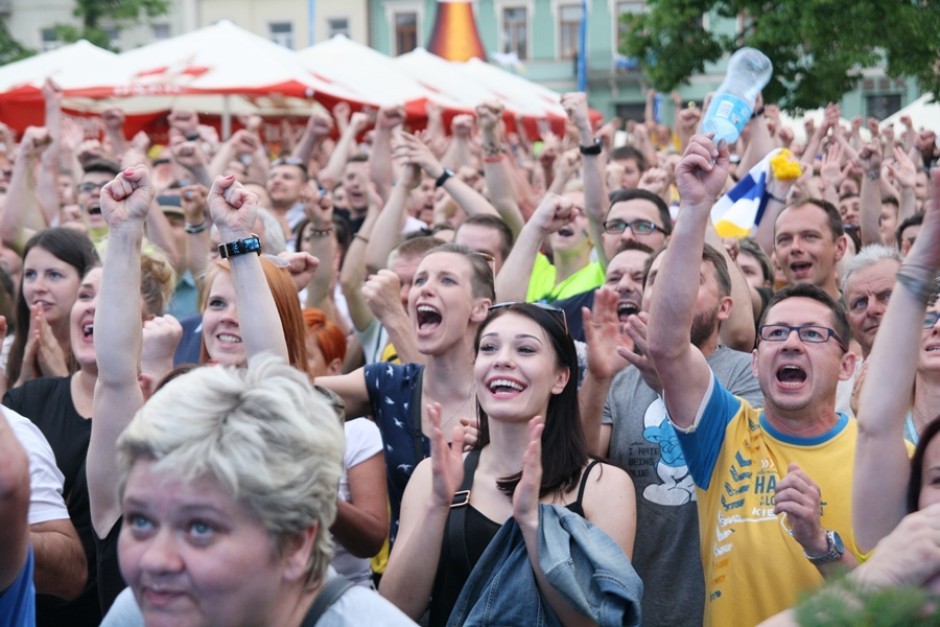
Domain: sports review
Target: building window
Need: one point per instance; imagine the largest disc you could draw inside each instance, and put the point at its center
(515, 35)
(625, 8)
(113, 33)
(882, 105)
(406, 32)
(49, 39)
(569, 30)
(161, 32)
(282, 33)
(338, 26)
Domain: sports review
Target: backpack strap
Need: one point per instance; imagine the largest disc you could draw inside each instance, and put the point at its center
(456, 519)
(330, 594)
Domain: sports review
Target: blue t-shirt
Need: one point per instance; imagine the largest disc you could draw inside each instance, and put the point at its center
(394, 393)
(18, 602)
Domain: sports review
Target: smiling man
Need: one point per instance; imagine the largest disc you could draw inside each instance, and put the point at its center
(773, 485)
(808, 242)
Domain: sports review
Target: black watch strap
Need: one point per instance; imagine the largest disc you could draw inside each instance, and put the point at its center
(446, 174)
(251, 244)
(592, 150)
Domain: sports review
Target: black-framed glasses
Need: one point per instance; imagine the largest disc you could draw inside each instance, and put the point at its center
(89, 188)
(930, 319)
(557, 312)
(810, 333)
(639, 227)
(294, 161)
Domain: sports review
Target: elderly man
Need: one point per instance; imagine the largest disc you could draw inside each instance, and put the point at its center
(766, 525)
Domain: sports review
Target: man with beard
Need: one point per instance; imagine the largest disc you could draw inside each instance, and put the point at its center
(635, 433)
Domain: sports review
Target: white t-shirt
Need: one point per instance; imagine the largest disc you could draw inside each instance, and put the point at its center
(45, 478)
(363, 442)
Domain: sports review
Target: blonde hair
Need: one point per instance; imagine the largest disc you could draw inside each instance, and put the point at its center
(262, 432)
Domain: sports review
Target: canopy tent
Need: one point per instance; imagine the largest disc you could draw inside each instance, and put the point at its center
(462, 86)
(923, 113)
(365, 76)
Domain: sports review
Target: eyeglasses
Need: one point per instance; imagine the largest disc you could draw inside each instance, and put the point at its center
(294, 161)
(639, 227)
(930, 319)
(556, 312)
(810, 333)
(89, 187)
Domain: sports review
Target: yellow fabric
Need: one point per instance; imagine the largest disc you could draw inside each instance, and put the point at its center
(542, 282)
(753, 566)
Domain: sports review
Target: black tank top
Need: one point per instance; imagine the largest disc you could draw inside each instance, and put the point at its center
(478, 531)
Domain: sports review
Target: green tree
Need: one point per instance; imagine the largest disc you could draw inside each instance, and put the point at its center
(118, 12)
(10, 49)
(818, 47)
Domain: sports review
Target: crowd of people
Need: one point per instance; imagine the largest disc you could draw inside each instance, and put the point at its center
(466, 375)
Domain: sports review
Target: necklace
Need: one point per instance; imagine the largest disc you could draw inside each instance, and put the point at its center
(465, 407)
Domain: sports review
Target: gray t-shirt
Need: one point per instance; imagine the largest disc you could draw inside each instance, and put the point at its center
(666, 552)
(357, 606)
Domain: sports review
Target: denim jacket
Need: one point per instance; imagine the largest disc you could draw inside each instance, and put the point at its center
(579, 560)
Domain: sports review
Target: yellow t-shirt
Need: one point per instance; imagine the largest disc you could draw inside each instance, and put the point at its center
(542, 282)
(753, 566)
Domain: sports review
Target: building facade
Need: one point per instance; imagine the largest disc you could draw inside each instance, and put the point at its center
(543, 36)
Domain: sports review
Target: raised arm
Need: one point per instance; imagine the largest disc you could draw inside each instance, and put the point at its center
(21, 196)
(125, 202)
(906, 175)
(499, 183)
(391, 218)
(552, 214)
(328, 177)
(234, 210)
(685, 375)
(14, 505)
(882, 469)
(380, 158)
(870, 194)
(318, 128)
(592, 167)
(47, 177)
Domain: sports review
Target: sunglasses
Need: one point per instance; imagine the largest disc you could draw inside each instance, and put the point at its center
(556, 312)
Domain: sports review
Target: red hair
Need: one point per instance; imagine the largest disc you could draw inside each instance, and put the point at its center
(328, 335)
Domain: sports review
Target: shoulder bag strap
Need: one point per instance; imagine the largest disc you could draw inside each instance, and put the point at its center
(330, 594)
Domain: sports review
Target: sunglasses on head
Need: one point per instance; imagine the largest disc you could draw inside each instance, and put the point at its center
(556, 312)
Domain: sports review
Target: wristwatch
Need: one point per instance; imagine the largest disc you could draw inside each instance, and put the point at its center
(834, 554)
(251, 244)
(593, 149)
(446, 174)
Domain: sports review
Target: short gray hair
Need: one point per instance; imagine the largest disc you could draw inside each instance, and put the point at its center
(263, 433)
(868, 256)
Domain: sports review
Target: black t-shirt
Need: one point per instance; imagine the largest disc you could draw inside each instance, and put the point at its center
(48, 404)
(354, 223)
(110, 580)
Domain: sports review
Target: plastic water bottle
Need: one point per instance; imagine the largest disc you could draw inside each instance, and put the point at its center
(749, 71)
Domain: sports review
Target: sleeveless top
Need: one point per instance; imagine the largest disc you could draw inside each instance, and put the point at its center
(462, 548)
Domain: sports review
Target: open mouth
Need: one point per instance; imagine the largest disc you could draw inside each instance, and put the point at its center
(228, 338)
(502, 387)
(566, 231)
(801, 268)
(428, 317)
(88, 330)
(791, 375)
(94, 210)
(627, 308)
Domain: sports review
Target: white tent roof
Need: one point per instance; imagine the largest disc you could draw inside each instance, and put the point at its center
(923, 113)
(360, 72)
(81, 64)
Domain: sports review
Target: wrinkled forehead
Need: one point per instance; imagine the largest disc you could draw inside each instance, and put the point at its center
(627, 261)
